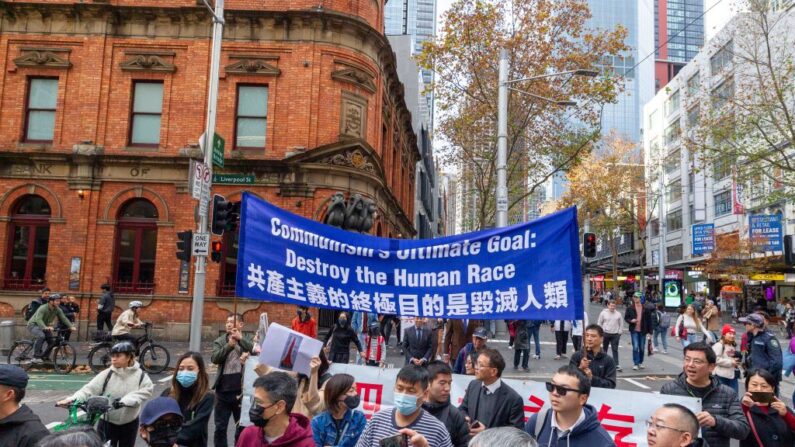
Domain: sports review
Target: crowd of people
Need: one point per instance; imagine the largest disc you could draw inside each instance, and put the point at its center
(323, 409)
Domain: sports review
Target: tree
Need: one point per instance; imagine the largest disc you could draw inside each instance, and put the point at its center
(541, 37)
(608, 189)
(749, 117)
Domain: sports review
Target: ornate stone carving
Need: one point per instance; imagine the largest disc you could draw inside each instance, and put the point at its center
(354, 75)
(250, 64)
(353, 115)
(355, 215)
(43, 57)
(351, 159)
(149, 61)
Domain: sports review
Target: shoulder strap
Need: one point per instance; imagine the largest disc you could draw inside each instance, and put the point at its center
(541, 417)
(750, 418)
(105, 384)
(141, 379)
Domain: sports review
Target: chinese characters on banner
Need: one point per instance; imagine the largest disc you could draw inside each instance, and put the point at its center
(530, 270)
(622, 413)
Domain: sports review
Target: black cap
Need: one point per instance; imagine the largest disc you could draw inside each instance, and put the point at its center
(13, 376)
(481, 332)
(105, 286)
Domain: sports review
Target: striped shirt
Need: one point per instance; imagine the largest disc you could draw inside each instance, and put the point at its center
(383, 425)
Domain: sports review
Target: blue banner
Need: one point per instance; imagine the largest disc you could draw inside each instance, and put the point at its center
(526, 271)
(765, 232)
(703, 238)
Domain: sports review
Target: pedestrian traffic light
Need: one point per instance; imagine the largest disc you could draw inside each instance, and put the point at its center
(789, 256)
(184, 245)
(222, 209)
(589, 245)
(215, 254)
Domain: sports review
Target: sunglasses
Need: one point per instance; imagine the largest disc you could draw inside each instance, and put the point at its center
(559, 389)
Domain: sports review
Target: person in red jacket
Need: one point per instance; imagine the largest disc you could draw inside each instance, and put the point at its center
(274, 424)
(304, 323)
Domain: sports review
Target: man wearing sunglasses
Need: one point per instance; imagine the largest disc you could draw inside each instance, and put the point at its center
(673, 425)
(161, 421)
(572, 422)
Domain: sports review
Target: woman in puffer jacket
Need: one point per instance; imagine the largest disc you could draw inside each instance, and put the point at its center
(127, 387)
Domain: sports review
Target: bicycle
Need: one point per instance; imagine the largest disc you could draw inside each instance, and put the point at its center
(59, 353)
(87, 414)
(154, 358)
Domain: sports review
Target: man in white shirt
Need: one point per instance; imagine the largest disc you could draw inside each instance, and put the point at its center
(611, 320)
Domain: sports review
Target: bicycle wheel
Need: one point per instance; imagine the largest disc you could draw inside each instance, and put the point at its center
(154, 359)
(21, 354)
(64, 358)
(99, 357)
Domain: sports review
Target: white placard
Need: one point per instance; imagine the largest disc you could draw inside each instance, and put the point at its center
(289, 350)
(200, 181)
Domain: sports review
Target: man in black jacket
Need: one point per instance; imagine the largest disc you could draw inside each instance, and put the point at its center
(638, 318)
(592, 360)
(438, 403)
(105, 309)
(488, 402)
(228, 352)
(722, 418)
(19, 427)
(419, 343)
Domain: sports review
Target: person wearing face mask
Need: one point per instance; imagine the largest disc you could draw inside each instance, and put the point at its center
(339, 339)
(304, 323)
(407, 417)
(274, 424)
(161, 422)
(127, 386)
(190, 387)
(341, 424)
(308, 403)
(375, 346)
(19, 426)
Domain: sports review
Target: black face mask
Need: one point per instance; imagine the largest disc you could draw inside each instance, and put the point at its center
(343, 322)
(352, 402)
(255, 414)
(164, 437)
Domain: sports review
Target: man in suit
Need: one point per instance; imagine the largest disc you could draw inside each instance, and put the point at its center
(457, 333)
(419, 343)
(488, 402)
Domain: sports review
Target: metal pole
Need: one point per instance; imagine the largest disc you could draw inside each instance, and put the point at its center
(662, 231)
(586, 278)
(197, 308)
(502, 142)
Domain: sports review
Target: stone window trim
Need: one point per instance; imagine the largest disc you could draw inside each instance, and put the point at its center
(354, 74)
(149, 61)
(252, 64)
(44, 57)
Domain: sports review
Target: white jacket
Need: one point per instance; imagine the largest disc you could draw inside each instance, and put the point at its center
(578, 328)
(725, 360)
(124, 384)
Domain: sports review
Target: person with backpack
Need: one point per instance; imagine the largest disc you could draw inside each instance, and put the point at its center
(374, 346)
(107, 302)
(40, 324)
(71, 309)
(127, 387)
(36, 303)
(661, 330)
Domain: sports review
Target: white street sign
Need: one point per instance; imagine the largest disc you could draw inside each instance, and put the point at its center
(201, 244)
(200, 183)
(203, 202)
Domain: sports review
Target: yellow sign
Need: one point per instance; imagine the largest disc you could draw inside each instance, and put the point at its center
(767, 277)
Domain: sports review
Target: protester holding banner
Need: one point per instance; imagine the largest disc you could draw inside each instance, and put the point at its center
(190, 387)
(772, 423)
(438, 403)
(611, 321)
(571, 420)
(478, 343)
(673, 425)
(457, 333)
(722, 418)
(341, 424)
(271, 413)
(488, 401)
(339, 339)
(593, 361)
(228, 353)
(407, 417)
(304, 322)
(419, 343)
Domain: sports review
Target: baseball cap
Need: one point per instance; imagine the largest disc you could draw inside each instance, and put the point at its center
(754, 319)
(726, 329)
(13, 376)
(481, 332)
(157, 408)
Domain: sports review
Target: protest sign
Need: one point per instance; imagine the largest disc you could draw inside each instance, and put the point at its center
(249, 376)
(289, 350)
(525, 271)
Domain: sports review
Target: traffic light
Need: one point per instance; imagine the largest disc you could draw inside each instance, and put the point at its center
(222, 209)
(184, 245)
(215, 254)
(789, 256)
(589, 245)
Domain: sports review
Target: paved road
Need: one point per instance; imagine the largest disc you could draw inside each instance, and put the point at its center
(45, 389)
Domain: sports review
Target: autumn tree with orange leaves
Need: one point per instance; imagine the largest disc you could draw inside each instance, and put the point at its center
(541, 37)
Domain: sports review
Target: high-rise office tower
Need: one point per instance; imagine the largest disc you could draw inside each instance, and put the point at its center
(678, 36)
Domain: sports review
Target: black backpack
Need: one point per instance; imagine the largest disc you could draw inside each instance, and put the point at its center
(32, 308)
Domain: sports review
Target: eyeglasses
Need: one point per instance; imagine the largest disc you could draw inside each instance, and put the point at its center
(697, 362)
(651, 424)
(559, 389)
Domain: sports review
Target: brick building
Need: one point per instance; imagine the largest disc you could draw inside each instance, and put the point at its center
(101, 107)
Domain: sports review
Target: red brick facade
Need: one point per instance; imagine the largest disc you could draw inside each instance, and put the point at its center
(336, 122)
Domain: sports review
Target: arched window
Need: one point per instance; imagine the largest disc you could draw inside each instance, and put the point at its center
(136, 246)
(29, 237)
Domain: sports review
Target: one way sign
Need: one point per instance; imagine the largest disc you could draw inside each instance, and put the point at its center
(201, 244)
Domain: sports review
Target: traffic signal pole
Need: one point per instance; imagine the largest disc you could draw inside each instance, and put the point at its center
(197, 307)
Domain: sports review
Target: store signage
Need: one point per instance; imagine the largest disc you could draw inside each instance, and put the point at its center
(765, 232)
(673, 293)
(703, 238)
(768, 277)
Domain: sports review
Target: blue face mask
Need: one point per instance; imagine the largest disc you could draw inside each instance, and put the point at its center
(187, 378)
(406, 404)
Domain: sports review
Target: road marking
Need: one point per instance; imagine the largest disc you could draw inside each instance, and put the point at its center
(636, 383)
(165, 379)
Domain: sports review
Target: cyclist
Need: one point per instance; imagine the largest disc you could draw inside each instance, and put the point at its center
(127, 321)
(40, 325)
(127, 387)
